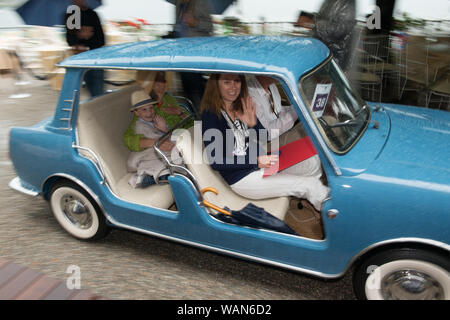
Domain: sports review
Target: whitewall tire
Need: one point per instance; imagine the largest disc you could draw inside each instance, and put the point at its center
(76, 212)
(403, 274)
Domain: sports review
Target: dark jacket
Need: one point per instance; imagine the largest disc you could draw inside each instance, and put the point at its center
(232, 168)
(89, 18)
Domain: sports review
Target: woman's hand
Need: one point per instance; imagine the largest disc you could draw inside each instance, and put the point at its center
(248, 116)
(267, 161)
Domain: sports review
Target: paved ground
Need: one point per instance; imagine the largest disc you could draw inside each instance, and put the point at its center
(127, 265)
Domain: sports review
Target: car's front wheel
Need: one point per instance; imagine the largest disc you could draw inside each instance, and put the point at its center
(403, 274)
(76, 212)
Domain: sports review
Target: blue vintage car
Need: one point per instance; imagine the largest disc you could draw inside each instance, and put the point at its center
(387, 167)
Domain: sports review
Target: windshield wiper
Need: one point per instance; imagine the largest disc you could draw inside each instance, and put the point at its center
(353, 122)
(346, 123)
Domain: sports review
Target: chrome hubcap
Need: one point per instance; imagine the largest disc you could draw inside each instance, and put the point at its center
(411, 285)
(76, 212)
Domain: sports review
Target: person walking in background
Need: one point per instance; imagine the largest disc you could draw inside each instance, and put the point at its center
(306, 21)
(334, 26)
(89, 36)
(193, 19)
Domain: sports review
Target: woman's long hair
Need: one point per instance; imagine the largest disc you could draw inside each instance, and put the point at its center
(212, 100)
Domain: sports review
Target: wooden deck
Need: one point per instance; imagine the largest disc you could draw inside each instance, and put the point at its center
(21, 283)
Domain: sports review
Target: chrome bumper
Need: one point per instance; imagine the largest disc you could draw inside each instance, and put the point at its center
(18, 185)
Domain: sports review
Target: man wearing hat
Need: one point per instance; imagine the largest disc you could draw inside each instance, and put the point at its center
(147, 164)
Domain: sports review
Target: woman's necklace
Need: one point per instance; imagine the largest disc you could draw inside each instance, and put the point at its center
(230, 113)
(240, 133)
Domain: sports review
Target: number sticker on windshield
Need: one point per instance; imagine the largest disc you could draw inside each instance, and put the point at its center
(320, 99)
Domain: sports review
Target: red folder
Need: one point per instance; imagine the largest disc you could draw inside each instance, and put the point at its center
(290, 154)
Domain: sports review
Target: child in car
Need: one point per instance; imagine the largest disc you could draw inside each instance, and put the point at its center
(147, 164)
(166, 106)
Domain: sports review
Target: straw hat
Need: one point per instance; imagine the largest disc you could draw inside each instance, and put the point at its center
(141, 99)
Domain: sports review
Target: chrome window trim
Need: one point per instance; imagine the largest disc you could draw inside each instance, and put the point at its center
(73, 102)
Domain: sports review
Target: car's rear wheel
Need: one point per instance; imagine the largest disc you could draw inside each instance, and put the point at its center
(76, 212)
(403, 274)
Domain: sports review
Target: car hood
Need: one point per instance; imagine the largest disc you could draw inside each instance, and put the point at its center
(418, 144)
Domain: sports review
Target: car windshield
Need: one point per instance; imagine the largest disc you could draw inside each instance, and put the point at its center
(340, 114)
